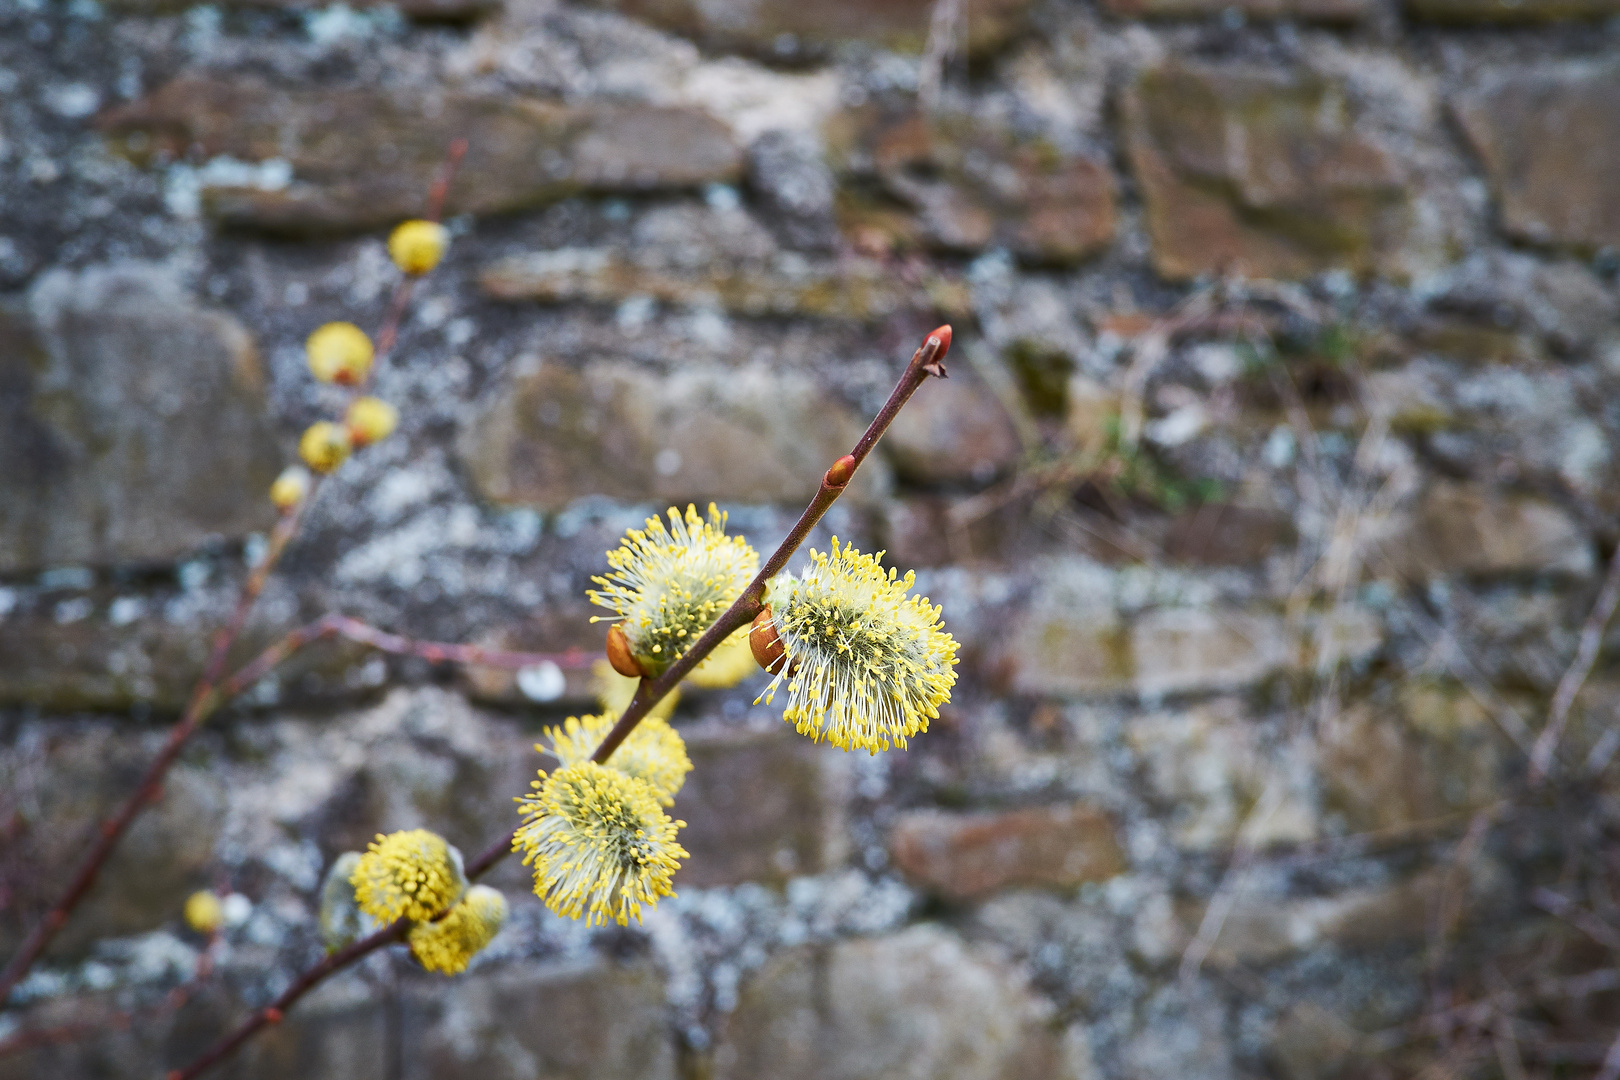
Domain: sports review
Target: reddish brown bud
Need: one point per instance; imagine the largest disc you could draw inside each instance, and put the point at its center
(619, 655)
(934, 350)
(841, 472)
(272, 1016)
(765, 642)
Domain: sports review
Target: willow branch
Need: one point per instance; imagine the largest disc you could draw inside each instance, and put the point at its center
(928, 360)
(206, 696)
(204, 699)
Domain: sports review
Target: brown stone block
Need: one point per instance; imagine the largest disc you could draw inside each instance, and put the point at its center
(587, 1021)
(917, 1004)
(970, 855)
(100, 662)
(1465, 529)
(766, 26)
(429, 10)
(780, 285)
(759, 805)
(1550, 140)
(134, 420)
(953, 431)
(362, 158)
(1319, 11)
(1437, 753)
(341, 1029)
(969, 186)
(1224, 534)
(1261, 173)
(66, 778)
(1509, 11)
(749, 435)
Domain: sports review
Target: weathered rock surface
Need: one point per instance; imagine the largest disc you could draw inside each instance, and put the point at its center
(969, 856)
(427, 10)
(968, 186)
(1509, 11)
(1433, 752)
(1260, 172)
(789, 174)
(782, 27)
(341, 1029)
(784, 284)
(1322, 11)
(759, 806)
(915, 1006)
(1463, 529)
(749, 435)
(132, 421)
(62, 783)
(1550, 140)
(362, 158)
(583, 1021)
(953, 432)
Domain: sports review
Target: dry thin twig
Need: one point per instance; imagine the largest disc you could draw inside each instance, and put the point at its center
(1586, 653)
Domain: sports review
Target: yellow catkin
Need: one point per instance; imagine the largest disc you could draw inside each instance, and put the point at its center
(324, 446)
(290, 487)
(449, 945)
(654, 751)
(669, 584)
(412, 873)
(600, 845)
(339, 352)
(370, 420)
(417, 246)
(204, 912)
(868, 665)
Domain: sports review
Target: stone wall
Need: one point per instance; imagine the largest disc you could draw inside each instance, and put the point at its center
(1269, 492)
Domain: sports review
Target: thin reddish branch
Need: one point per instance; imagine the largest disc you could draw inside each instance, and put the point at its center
(927, 361)
(276, 1010)
(204, 699)
(389, 332)
(206, 696)
(1586, 654)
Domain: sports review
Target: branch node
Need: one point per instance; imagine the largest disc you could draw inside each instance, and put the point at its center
(842, 471)
(619, 654)
(766, 642)
(932, 353)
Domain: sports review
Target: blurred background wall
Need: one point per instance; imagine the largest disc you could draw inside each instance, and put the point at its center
(1269, 493)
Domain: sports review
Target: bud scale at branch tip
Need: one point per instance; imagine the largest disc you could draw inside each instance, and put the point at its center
(937, 346)
(619, 655)
(765, 642)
